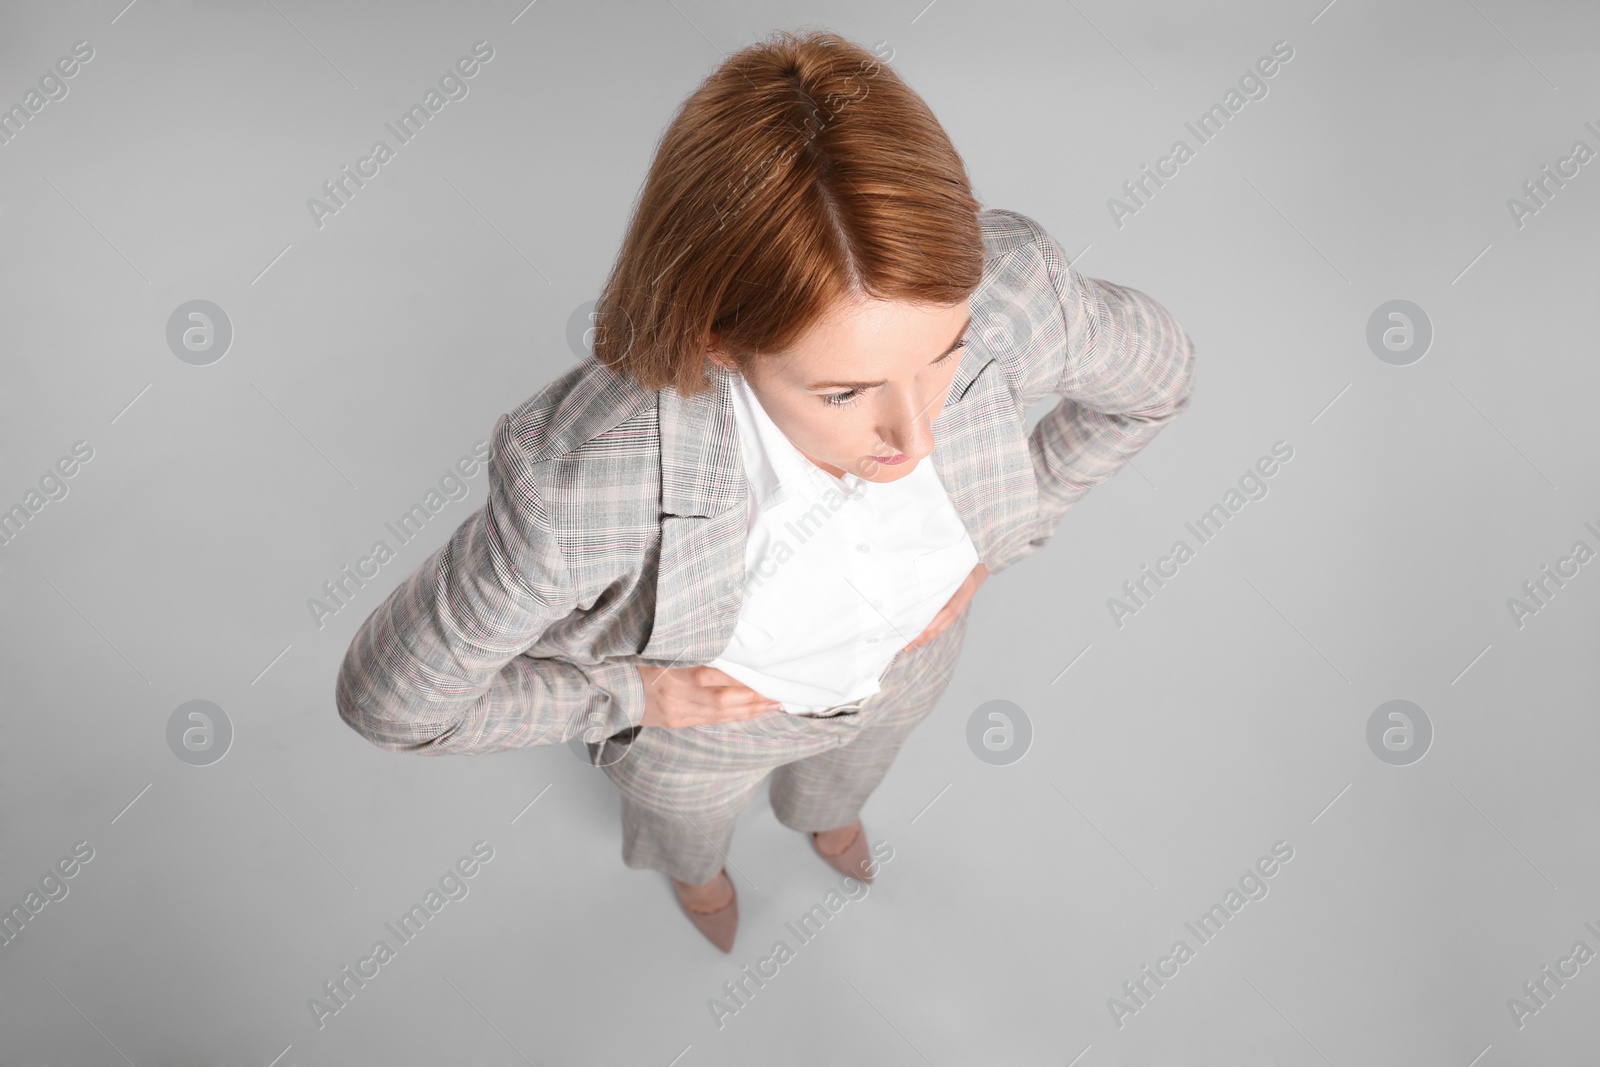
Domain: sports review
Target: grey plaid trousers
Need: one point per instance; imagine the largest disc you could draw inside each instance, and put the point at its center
(684, 788)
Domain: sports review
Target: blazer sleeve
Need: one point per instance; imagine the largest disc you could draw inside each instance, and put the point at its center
(438, 667)
(1122, 365)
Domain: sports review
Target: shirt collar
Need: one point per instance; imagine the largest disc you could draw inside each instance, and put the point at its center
(773, 466)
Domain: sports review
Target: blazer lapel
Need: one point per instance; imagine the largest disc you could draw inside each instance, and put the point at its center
(981, 454)
(700, 574)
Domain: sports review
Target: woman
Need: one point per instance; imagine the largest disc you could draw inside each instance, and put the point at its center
(741, 542)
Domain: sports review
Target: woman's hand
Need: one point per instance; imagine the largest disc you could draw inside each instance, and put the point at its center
(953, 609)
(675, 697)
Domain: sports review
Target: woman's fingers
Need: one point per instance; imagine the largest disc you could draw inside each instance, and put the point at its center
(736, 709)
(724, 698)
(934, 629)
(711, 677)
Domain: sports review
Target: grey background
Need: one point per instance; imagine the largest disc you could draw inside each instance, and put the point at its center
(369, 354)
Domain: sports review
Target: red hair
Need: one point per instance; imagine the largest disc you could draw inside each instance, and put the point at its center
(800, 174)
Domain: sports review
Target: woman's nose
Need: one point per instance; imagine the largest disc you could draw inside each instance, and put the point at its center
(911, 434)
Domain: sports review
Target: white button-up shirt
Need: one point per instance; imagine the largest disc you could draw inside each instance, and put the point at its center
(840, 574)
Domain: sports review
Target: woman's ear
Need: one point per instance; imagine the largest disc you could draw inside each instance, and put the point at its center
(717, 355)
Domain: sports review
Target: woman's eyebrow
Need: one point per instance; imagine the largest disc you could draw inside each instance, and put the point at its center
(868, 385)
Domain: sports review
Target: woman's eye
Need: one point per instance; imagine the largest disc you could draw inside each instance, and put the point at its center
(839, 400)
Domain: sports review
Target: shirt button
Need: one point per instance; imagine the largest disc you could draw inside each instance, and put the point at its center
(873, 640)
(862, 546)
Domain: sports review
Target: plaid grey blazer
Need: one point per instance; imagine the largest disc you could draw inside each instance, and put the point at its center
(614, 530)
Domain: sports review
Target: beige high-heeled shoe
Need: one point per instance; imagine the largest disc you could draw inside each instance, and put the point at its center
(720, 926)
(854, 860)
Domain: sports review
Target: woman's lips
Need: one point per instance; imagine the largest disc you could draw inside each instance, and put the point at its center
(898, 457)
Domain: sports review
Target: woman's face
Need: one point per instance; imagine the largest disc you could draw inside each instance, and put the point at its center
(865, 385)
